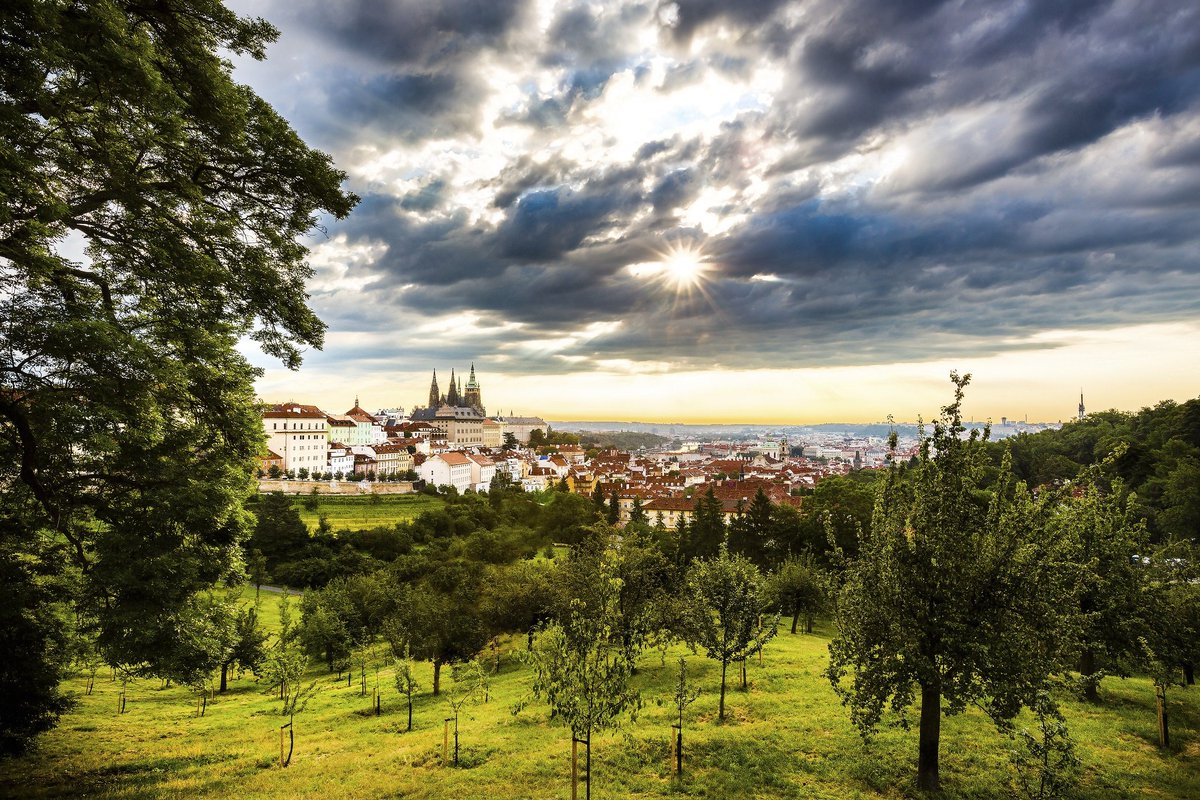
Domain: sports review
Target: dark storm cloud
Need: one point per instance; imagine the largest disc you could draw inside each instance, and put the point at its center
(1051, 179)
(408, 32)
(409, 107)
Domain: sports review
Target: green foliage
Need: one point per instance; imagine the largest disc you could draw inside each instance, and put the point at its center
(405, 679)
(798, 588)
(958, 591)
(627, 441)
(278, 532)
(33, 636)
(581, 666)
(518, 597)
(249, 646)
(127, 413)
(1160, 460)
(565, 518)
(613, 513)
(1044, 760)
(440, 615)
(726, 598)
(706, 531)
(1100, 526)
(197, 642)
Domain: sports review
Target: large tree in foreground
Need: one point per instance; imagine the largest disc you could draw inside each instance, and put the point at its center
(127, 431)
(958, 595)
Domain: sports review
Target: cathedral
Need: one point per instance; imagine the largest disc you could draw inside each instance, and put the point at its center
(457, 396)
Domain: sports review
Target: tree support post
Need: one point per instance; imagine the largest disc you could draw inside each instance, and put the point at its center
(677, 748)
(1164, 732)
(446, 742)
(574, 768)
(284, 761)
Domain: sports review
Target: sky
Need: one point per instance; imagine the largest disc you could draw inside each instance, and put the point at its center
(761, 211)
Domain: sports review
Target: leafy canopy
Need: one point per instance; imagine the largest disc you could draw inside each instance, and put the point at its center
(127, 422)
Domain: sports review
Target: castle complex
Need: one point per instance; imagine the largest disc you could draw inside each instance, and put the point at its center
(457, 396)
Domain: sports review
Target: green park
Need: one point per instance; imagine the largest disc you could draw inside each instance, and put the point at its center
(831, 189)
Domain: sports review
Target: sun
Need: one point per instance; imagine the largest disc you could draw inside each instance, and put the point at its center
(684, 268)
(681, 268)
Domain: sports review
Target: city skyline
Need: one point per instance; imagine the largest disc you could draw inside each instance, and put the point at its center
(769, 211)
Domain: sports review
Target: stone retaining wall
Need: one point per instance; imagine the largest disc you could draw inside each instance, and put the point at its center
(335, 487)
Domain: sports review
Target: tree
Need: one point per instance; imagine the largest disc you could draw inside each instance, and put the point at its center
(323, 631)
(637, 515)
(798, 587)
(707, 529)
(279, 533)
(440, 615)
(581, 668)
(685, 695)
(33, 636)
(960, 592)
(195, 644)
(256, 570)
(127, 420)
(467, 682)
(726, 599)
(510, 441)
(613, 513)
(1106, 538)
(757, 542)
(517, 598)
(406, 680)
(248, 647)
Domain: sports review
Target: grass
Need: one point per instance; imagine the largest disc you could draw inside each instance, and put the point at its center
(361, 512)
(786, 737)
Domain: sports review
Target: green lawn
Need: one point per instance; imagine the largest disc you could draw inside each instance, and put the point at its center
(357, 512)
(786, 737)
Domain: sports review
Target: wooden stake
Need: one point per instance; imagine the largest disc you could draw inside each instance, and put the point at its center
(446, 742)
(1164, 733)
(574, 768)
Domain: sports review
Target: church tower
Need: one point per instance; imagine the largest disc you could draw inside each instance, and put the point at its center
(435, 397)
(452, 394)
(472, 396)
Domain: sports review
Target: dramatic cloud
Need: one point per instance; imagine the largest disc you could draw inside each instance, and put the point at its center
(853, 181)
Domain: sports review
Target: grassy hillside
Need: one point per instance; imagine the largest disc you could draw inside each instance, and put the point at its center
(786, 737)
(360, 512)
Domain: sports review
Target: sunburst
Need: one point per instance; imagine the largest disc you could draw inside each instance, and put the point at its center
(680, 268)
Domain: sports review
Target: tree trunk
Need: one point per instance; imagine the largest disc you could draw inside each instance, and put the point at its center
(529, 640)
(1189, 674)
(721, 712)
(795, 620)
(410, 712)
(1087, 669)
(224, 672)
(437, 676)
(930, 735)
(808, 622)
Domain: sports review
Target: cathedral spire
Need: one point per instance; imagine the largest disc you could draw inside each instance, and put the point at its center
(452, 393)
(435, 396)
(472, 396)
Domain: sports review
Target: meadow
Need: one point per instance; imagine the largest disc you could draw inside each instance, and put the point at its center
(360, 512)
(787, 736)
